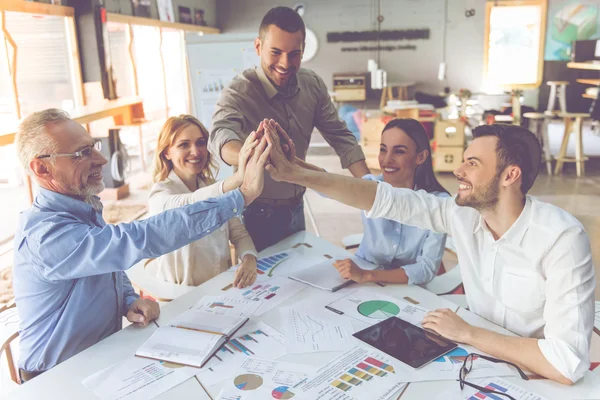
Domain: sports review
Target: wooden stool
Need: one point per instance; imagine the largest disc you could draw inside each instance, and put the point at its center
(538, 124)
(573, 124)
(387, 93)
(557, 89)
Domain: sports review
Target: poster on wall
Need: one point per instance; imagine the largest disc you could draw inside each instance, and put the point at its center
(185, 15)
(199, 17)
(165, 10)
(141, 8)
(570, 20)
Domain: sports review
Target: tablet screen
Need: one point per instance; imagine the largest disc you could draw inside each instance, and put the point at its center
(408, 343)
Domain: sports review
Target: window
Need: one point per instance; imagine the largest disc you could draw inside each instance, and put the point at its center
(514, 44)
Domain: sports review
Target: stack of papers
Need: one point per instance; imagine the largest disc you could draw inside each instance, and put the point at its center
(325, 276)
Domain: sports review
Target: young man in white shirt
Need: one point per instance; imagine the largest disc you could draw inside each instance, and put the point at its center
(526, 265)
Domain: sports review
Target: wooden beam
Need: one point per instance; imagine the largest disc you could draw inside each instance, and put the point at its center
(129, 19)
(36, 8)
(589, 65)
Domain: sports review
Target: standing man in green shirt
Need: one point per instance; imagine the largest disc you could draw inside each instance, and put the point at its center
(298, 100)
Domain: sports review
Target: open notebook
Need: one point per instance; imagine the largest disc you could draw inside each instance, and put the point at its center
(325, 276)
(192, 338)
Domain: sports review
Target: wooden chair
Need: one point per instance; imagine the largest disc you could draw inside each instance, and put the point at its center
(9, 332)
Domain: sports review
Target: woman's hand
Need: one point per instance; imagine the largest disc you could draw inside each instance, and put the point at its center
(246, 272)
(349, 270)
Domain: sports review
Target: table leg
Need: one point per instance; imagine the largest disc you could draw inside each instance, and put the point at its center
(579, 160)
(563, 147)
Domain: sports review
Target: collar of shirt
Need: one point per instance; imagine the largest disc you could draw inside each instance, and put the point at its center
(271, 90)
(515, 233)
(58, 202)
(180, 185)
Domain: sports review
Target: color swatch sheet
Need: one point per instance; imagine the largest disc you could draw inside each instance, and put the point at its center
(259, 379)
(270, 292)
(255, 339)
(306, 333)
(359, 373)
(137, 379)
(497, 384)
(370, 307)
(227, 306)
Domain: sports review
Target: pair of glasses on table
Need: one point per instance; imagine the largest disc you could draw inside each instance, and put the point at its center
(468, 365)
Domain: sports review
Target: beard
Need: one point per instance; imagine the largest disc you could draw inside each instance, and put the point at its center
(485, 199)
(86, 190)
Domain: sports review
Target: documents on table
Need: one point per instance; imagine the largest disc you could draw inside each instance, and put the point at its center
(137, 379)
(370, 308)
(270, 292)
(497, 384)
(323, 276)
(285, 262)
(227, 306)
(359, 373)
(217, 324)
(181, 346)
(259, 379)
(255, 339)
(305, 333)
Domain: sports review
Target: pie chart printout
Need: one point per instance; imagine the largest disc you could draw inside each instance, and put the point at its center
(248, 381)
(282, 393)
(378, 309)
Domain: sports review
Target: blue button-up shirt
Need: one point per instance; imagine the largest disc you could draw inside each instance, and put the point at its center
(70, 288)
(391, 244)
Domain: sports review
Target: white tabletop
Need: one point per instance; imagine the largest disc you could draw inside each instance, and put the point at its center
(65, 379)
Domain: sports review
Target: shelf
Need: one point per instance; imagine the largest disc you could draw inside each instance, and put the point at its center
(130, 19)
(590, 65)
(595, 82)
(588, 96)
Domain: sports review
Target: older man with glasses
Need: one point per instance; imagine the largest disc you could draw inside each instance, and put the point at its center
(69, 282)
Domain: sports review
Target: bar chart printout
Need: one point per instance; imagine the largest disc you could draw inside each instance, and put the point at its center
(270, 292)
(359, 373)
(497, 384)
(255, 339)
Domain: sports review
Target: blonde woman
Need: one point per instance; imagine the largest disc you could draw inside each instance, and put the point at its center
(183, 174)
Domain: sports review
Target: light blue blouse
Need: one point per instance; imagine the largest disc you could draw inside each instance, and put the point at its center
(391, 245)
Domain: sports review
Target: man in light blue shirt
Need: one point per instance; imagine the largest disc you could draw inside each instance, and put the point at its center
(70, 288)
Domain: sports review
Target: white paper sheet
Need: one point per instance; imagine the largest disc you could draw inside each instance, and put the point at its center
(227, 306)
(255, 339)
(270, 292)
(305, 333)
(260, 379)
(370, 307)
(497, 384)
(137, 379)
(359, 373)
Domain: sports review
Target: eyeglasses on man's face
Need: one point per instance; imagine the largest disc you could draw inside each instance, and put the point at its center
(468, 365)
(86, 152)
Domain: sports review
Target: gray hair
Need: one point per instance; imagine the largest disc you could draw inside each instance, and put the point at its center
(33, 140)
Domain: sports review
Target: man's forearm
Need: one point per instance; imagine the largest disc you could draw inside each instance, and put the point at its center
(359, 169)
(306, 165)
(522, 351)
(230, 152)
(354, 192)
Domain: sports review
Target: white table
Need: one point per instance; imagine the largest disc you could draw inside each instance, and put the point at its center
(64, 380)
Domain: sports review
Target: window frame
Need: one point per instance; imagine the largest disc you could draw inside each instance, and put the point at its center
(543, 4)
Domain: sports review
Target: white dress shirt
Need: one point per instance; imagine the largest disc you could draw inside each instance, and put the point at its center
(203, 259)
(537, 280)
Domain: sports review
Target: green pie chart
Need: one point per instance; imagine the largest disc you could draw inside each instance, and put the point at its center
(378, 309)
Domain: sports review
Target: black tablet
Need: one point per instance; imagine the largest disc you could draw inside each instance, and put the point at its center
(406, 342)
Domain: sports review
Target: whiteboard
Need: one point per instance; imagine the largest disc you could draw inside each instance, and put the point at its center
(214, 60)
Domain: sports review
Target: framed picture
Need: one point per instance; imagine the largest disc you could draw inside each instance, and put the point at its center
(185, 15)
(199, 17)
(165, 10)
(141, 8)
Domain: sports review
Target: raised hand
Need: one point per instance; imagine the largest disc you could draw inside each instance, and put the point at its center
(246, 152)
(254, 176)
(280, 167)
(287, 144)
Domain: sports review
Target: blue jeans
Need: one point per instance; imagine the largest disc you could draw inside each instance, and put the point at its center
(268, 225)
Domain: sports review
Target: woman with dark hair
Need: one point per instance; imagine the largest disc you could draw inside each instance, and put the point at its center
(404, 254)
